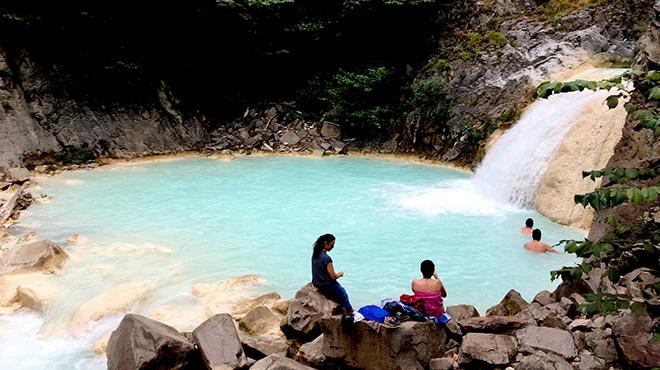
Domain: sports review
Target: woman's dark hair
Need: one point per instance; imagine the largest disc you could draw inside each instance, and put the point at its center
(427, 268)
(529, 222)
(320, 243)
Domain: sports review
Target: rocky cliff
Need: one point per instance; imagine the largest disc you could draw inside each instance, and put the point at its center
(36, 121)
(496, 52)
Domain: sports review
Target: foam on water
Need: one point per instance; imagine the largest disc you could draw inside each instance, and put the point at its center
(183, 226)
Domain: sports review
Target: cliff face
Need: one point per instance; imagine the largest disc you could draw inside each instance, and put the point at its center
(36, 122)
(638, 148)
(490, 56)
(497, 52)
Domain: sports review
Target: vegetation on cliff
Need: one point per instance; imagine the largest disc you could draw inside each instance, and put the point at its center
(632, 239)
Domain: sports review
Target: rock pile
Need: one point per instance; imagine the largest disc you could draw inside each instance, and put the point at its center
(272, 130)
(548, 333)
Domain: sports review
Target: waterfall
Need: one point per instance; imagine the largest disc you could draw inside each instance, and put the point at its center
(513, 169)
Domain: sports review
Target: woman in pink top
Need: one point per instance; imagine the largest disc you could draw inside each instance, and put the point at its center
(430, 289)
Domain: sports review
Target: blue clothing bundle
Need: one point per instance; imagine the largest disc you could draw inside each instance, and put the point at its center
(373, 313)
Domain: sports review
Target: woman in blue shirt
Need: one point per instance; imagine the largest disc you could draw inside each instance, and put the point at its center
(324, 277)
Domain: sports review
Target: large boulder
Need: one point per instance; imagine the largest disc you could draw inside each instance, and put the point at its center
(487, 349)
(633, 336)
(570, 287)
(554, 340)
(511, 304)
(491, 324)
(410, 345)
(462, 311)
(330, 130)
(260, 321)
(305, 312)
(219, 344)
(534, 314)
(41, 255)
(140, 343)
(275, 362)
(311, 353)
(543, 361)
(601, 344)
(260, 347)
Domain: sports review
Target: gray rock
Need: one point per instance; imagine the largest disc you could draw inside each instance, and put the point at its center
(259, 321)
(442, 363)
(305, 312)
(536, 315)
(579, 340)
(543, 298)
(389, 146)
(543, 361)
(491, 324)
(219, 344)
(491, 349)
(254, 141)
(410, 345)
(601, 344)
(590, 362)
(330, 130)
(275, 362)
(511, 304)
(18, 174)
(41, 255)
(338, 146)
(260, 347)
(142, 343)
(311, 353)
(633, 336)
(547, 339)
(462, 311)
(579, 324)
(578, 299)
(289, 138)
(243, 134)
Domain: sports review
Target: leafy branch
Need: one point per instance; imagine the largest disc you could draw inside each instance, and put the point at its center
(619, 175)
(610, 197)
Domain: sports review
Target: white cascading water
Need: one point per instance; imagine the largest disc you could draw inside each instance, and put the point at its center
(513, 169)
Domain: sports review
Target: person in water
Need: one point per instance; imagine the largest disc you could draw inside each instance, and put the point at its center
(529, 225)
(536, 245)
(430, 289)
(324, 277)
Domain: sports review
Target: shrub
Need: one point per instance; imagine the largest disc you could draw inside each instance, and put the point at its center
(363, 99)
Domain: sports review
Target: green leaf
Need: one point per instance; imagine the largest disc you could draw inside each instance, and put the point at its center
(654, 75)
(631, 173)
(655, 93)
(637, 308)
(612, 101)
(655, 339)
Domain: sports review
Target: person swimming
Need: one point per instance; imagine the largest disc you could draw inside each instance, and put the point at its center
(430, 289)
(529, 224)
(536, 245)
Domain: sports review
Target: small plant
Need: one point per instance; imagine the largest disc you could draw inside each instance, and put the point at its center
(74, 155)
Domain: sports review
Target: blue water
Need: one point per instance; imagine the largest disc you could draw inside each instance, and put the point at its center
(179, 222)
(260, 215)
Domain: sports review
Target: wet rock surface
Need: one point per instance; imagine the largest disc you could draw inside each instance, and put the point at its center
(42, 255)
